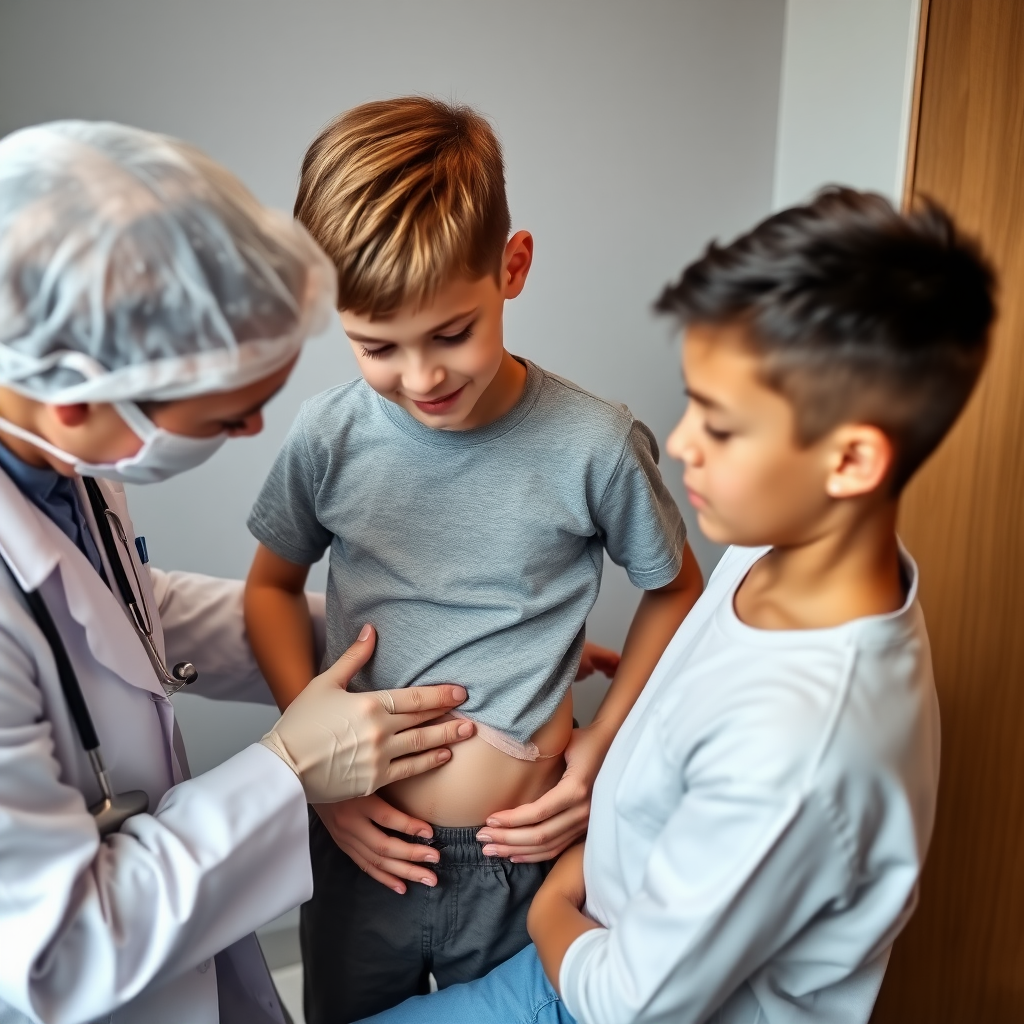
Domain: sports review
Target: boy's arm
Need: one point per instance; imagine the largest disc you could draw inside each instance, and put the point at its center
(278, 623)
(657, 618)
(556, 919)
(543, 829)
(739, 870)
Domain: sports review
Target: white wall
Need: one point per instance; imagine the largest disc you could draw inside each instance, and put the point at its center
(633, 132)
(847, 84)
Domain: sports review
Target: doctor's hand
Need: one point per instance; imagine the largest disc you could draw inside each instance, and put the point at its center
(389, 860)
(342, 744)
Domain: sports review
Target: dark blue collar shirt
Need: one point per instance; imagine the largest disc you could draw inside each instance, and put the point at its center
(57, 497)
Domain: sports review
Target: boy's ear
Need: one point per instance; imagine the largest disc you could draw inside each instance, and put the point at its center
(515, 264)
(861, 457)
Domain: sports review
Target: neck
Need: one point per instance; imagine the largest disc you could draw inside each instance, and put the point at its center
(19, 410)
(501, 394)
(839, 575)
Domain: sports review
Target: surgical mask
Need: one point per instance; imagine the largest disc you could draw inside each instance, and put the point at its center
(161, 456)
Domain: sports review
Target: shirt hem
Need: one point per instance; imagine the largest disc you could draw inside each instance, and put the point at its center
(260, 531)
(652, 579)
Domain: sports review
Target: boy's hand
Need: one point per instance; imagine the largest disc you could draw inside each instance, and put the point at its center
(597, 659)
(543, 829)
(353, 826)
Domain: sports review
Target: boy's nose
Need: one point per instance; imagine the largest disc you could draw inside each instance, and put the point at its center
(676, 443)
(680, 445)
(422, 379)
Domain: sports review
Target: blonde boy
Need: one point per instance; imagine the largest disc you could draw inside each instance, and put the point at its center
(467, 498)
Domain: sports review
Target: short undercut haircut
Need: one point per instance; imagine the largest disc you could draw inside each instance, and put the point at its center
(858, 314)
(403, 195)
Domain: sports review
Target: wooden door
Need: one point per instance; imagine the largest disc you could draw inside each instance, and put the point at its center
(961, 959)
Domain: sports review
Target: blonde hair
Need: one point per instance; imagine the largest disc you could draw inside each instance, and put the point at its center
(403, 194)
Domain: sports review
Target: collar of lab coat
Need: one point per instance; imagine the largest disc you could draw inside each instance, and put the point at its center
(34, 547)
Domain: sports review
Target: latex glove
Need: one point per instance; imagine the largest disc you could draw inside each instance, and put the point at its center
(543, 829)
(342, 744)
(387, 859)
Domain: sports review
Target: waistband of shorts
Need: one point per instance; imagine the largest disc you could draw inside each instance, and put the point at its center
(456, 845)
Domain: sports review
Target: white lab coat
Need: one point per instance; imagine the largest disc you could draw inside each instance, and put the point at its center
(127, 929)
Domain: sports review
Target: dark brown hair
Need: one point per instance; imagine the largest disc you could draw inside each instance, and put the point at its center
(859, 314)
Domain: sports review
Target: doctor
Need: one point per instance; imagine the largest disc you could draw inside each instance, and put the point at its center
(149, 307)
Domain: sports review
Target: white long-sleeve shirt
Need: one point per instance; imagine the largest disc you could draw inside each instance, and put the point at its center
(760, 822)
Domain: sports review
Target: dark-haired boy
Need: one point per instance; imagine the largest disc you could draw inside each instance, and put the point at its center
(759, 824)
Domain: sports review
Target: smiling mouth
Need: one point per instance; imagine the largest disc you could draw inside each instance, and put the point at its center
(439, 405)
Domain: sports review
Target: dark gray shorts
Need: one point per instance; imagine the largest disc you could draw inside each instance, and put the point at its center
(365, 948)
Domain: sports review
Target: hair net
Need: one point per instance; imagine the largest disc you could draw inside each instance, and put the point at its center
(134, 267)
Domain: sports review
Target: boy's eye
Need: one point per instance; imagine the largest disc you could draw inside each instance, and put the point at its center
(455, 339)
(717, 435)
(376, 353)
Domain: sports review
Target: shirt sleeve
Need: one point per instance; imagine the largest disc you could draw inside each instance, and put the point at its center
(642, 528)
(203, 622)
(736, 873)
(284, 518)
(86, 924)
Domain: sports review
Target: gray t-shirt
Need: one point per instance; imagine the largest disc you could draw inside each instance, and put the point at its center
(476, 554)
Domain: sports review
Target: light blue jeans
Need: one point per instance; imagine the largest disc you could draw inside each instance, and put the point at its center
(517, 992)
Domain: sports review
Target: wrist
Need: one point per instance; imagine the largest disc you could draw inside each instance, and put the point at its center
(602, 730)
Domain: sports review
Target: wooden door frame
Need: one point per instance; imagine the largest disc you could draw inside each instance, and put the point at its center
(915, 106)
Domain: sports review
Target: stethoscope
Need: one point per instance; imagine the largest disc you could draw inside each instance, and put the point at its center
(113, 809)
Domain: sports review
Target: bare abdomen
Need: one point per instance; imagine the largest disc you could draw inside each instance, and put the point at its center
(480, 779)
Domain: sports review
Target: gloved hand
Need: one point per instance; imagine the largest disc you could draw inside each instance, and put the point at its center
(343, 745)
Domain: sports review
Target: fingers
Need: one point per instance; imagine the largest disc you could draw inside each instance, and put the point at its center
(556, 800)
(415, 764)
(387, 702)
(412, 741)
(600, 659)
(392, 872)
(389, 853)
(538, 842)
(341, 672)
(537, 856)
(384, 814)
(399, 723)
(426, 698)
(386, 859)
(605, 660)
(376, 873)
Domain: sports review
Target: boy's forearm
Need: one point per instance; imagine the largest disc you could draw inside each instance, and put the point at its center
(555, 923)
(281, 636)
(655, 623)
